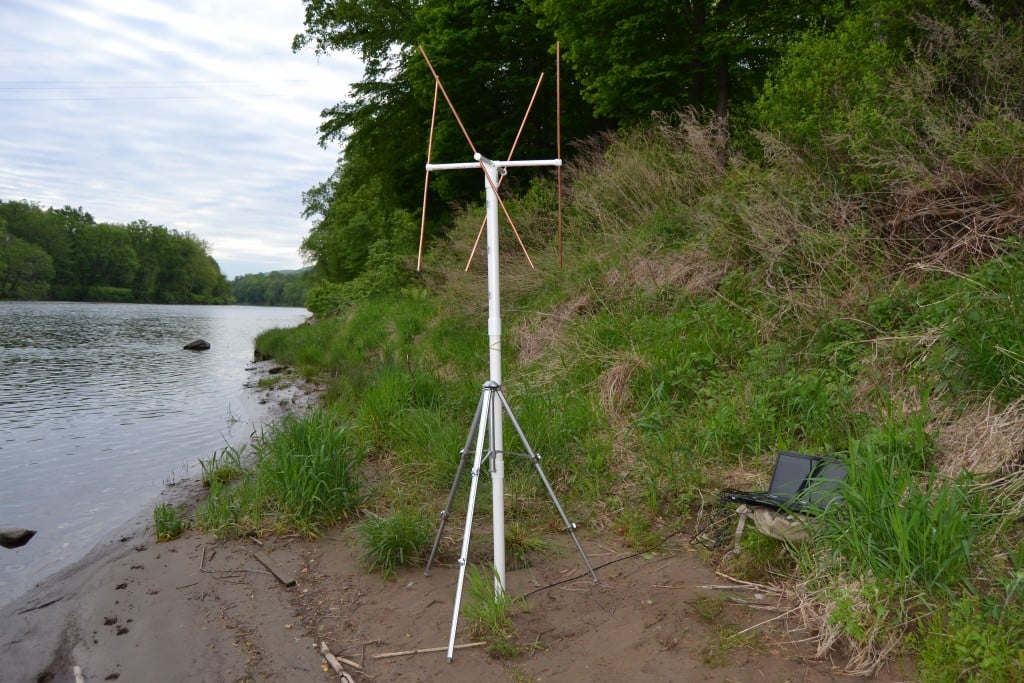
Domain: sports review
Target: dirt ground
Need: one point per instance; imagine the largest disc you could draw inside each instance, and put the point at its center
(199, 609)
(195, 609)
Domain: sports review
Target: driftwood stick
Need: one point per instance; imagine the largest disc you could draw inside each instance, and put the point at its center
(349, 662)
(335, 664)
(759, 586)
(282, 576)
(423, 650)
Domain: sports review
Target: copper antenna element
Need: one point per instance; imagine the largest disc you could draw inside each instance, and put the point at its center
(558, 138)
(437, 81)
(501, 179)
(426, 180)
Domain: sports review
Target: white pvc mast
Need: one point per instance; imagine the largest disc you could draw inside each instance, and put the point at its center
(492, 172)
(492, 409)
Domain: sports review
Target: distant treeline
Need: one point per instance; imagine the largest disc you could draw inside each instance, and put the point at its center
(280, 288)
(64, 254)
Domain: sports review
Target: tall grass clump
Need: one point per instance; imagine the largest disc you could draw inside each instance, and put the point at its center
(490, 613)
(224, 466)
(901, 545)
(307, 474)
(168, 522)
(621, 181)
(396, 540)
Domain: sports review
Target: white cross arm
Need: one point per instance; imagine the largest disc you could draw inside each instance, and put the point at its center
(496, 164)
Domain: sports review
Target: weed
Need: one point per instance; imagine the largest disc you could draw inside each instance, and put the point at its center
(709, 609)
(976, 638)
(168, 522)
(761, 559)
(269, 382)
(489, 614)
(398, 540)
(223, 466)
(726, 640)
(520, 546)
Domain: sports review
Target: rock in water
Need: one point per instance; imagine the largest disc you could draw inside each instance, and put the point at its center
(15, 538)
(197, 345)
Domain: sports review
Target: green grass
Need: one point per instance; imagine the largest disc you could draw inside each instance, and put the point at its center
(490, 615)
(223, 466)
(168, 522)
(400, 539)
(977, 638)
(307, 475)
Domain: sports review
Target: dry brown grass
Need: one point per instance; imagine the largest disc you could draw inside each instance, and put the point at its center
(951, 222)
(818, 610)
(542, 332)
(615, 394)
(618, 182)
(985, 439)
(693, 271)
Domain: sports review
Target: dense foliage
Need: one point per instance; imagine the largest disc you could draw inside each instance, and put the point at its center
(279, 288)
(65, 254)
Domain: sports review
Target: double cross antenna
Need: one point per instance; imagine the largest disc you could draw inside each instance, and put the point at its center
(487, 425)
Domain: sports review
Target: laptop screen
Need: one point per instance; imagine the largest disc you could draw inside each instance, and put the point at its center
(791, 470)
(825, 485)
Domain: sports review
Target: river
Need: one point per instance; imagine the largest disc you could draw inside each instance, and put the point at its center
(101, 409)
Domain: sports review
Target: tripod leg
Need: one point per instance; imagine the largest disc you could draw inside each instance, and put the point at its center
(535, 459)
(455, 484)
(482, 430)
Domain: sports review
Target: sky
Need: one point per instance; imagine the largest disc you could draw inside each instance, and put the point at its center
(191, 114)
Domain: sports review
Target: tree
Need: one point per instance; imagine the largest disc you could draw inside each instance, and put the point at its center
(634, 57)
(103, 257)
(841, 69)
(25, 269)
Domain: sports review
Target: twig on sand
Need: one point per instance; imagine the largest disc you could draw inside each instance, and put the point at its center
(423, 650)
(335, 664)
(767, 621)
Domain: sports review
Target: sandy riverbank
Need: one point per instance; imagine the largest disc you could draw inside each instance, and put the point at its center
(195, 609)
(199, 609)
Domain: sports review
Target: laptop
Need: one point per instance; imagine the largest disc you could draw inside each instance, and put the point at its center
(801, 483)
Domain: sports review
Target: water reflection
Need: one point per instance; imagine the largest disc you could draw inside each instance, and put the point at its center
(99, 405)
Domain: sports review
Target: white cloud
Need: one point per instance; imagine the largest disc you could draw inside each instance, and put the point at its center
(193, 114)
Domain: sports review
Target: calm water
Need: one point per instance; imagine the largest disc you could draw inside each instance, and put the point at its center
(100, 407)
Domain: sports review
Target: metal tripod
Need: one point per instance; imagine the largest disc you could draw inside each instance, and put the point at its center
(486, 422)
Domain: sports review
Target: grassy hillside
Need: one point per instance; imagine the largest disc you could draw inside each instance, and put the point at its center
(722, 300)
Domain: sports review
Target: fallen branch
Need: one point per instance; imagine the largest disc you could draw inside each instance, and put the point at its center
(423, 650)
(282, 575)
(335, 664)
